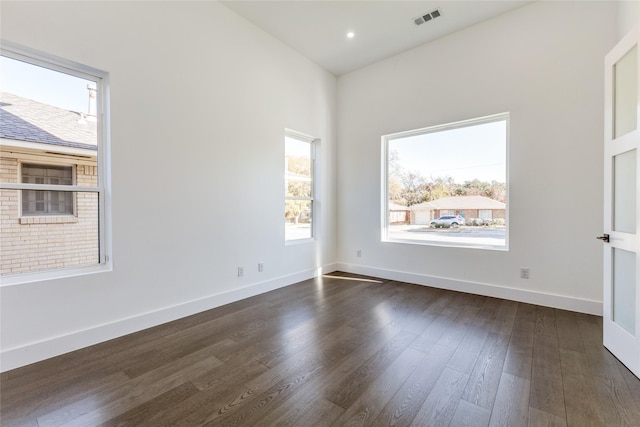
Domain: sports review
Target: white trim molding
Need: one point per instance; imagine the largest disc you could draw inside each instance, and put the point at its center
(521, 295)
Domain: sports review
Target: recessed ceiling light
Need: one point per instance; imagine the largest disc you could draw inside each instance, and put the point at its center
(351, 35)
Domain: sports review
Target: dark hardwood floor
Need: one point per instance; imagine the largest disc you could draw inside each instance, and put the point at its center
(340, 350)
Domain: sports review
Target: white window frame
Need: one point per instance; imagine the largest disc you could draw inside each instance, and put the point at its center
(384, 198)
(103, 187)
(313, 142)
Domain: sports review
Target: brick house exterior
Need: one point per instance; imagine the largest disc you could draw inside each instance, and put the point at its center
(36, 136)
(469, 207)
(398, 214)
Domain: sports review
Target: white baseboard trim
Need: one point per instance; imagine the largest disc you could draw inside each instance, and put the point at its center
(514, 294)
(24, 355)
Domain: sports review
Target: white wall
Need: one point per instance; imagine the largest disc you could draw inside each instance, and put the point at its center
(543, 63)
(628, 16)
(200, 99)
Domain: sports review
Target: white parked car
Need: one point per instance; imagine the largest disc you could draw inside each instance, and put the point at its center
(447, 221)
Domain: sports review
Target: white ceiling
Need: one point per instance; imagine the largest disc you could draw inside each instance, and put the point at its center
(317, 29)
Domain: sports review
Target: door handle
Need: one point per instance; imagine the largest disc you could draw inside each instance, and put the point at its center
(604, 238)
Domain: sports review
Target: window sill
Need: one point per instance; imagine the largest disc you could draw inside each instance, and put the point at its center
(292, 242)
(62, 219)
(60, 273)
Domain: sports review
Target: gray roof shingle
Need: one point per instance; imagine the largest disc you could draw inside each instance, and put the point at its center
(27, 120)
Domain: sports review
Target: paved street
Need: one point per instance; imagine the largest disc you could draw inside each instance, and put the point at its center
(489, 236)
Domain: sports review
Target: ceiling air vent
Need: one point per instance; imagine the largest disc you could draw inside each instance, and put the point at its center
(426, 17)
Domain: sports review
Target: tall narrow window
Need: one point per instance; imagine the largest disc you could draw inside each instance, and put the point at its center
(299, 186)
(451, 183)
(52, 167)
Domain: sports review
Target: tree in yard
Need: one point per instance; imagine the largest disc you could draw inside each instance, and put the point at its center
(409, 188)
(298, 184)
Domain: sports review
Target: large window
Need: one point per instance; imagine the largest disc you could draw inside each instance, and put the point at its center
(53, 157)
(299, 186)
(451, 181)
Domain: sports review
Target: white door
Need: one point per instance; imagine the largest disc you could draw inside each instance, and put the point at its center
(621, 310)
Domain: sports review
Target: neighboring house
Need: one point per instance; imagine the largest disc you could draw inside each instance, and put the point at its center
(398, 214)
(43, 144)
(466, 206)
(422, 213)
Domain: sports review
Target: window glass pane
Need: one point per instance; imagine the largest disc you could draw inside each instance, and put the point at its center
(49, 130)
(37, 243)
(299, 186)
(452, 180)
(298, 157)
(298, 209)
(624, 289)
(55, 110)
(626, 94)
(298, 216)
(624, 194)
(36, 202)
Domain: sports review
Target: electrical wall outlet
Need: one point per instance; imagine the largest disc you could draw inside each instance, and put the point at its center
(524, 273)
(260, 267)
(359, 253)
(240, 271)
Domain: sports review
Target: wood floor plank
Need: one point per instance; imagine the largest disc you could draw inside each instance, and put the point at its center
(567, 326)
(519, 359)
(208, 406)
(141, 414)
(485, 377)
(538, 418)
(337, 350)
(511, 407)
(468, 414)
(458, 329)
(467, 353)
(303, 407)
(72, 394)
(405, 404)
(434, 331)
(632, 382)
(546, 376)
(117, 400)
(545, 322)
(272, 398)
(442, 402)
(580, 393)
(525, 320)
(618, 406)
(351, 387)
(489, 308)
(328, 346)
(373, 400)
(75, 378)
(505, 317)
(321, 414)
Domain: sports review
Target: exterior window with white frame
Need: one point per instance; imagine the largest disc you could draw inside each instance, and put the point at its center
(53, 157)
(299, 186)
(36, 202)
(446, 185)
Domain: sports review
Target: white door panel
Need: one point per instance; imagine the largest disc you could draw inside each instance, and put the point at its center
(621, 299)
